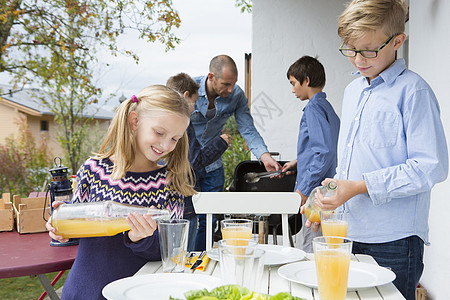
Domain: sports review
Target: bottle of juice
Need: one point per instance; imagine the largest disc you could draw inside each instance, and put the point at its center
(312, 210)
(103, 218)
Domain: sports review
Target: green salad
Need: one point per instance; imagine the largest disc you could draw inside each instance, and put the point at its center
(233, 292)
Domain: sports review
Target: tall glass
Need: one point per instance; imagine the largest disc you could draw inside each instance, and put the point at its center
(332, 265)
(173, 240)
(236, 229)
(241, 264)
(334, 223)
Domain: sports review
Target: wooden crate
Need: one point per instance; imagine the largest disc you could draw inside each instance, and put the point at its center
(6, 213)
(421, 293)
(28, 214)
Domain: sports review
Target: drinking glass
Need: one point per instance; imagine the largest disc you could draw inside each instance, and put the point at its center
(173, 238)
(332, 265)
(334, 223)
(236, 229)
(241, 263)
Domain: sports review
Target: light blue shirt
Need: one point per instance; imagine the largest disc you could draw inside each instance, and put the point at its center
(317, 144)
(207, 128)
(392, 137)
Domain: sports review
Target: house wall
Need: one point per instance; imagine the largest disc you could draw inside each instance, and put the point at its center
(284, 31)
(428, 45)
(34, 125)
(9, 127)
(7, 121)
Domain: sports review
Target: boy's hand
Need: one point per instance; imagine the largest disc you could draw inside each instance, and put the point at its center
(303, 197)
(269, 163)
(227, 138)
(346, 189)
(308, 223)
(288, 166)
(142, 226)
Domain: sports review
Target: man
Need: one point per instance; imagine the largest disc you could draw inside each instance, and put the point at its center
(219, 98)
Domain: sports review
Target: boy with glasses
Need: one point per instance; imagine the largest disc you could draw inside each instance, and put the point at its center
(392, 148)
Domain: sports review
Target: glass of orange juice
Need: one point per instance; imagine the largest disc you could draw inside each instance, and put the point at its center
(332, 266)
(236, 229)
(334, 223)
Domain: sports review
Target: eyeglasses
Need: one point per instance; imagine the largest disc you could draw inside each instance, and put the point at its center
(364, 53)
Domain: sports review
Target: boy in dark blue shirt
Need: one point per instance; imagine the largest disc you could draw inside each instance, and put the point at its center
(318, 134)
(199, 156)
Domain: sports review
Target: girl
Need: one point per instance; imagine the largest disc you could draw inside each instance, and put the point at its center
(147, 128)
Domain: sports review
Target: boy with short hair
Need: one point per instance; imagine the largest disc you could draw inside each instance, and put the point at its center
(392, 148)
(318, 133)
(199, 156)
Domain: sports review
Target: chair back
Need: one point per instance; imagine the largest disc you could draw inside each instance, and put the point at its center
(283, 203)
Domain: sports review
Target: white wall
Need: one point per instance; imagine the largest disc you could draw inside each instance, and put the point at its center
(284, 31)
(428, 48)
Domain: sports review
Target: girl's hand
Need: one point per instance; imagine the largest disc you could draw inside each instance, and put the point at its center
(51, 229)
(346, 189)
(142, 226)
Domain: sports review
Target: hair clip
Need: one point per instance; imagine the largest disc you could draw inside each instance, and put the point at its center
(134, 98)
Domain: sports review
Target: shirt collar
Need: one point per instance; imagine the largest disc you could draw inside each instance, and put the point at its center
(394, 70)
(202, 89)
(391, 73)
(314, 97)
(318, 95)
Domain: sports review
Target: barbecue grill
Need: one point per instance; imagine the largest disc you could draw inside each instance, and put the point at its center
(284, 184)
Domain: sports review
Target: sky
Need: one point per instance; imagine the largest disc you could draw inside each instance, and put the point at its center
(208, 28)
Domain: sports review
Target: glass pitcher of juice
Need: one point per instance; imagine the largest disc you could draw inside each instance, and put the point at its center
(312, 210)
(102, 218)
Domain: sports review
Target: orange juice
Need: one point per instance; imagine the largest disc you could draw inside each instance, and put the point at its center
(312, 214)
(332, 273)
(334, 228)
(237, 232)
(75, 228)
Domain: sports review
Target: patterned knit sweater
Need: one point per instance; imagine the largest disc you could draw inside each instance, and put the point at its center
(101, 260)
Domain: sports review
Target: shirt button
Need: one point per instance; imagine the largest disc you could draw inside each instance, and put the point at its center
(357, 118)
(349, 145)
(344, 172)
(366, 92)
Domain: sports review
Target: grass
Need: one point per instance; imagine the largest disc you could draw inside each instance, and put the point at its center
(26, 287)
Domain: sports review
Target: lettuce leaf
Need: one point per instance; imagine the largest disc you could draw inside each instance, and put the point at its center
(229, 292)
(234, 292)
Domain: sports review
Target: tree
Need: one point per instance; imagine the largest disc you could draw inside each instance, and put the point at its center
(54, 44)
(31, 29)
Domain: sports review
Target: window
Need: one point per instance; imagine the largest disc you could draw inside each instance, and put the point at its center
(44, 125)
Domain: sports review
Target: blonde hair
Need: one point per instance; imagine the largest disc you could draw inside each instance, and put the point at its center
(363, 16)
(121, 143)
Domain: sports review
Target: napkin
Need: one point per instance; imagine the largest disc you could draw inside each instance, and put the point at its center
(202, 267)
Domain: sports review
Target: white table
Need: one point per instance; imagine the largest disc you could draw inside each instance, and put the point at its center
(276, 284)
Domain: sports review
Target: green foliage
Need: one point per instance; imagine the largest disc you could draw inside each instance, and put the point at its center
(24, 165)
(92, 143)
(31, 29)
(236, 152)
(245, 5)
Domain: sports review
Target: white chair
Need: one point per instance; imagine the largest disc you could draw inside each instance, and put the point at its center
(261, 203)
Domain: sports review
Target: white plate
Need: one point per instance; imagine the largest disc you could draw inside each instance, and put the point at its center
(275, 254)
(158, 286)
(361, 275)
